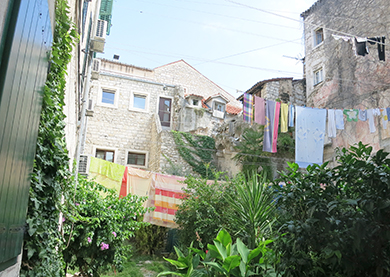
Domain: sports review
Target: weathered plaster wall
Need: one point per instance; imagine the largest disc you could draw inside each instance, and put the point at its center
(350, 81)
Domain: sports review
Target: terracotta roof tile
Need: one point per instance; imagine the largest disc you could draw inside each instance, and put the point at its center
(233, 109)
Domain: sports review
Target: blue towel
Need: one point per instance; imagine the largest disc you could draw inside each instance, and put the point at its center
(310, 132)
(339, 119)
(291, 114)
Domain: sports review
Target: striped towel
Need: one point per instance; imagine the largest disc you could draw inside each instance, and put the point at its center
(248, 108)
(166, 195)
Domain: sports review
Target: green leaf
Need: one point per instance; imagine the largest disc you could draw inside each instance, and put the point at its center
(165, 273)
(221, 250)
(231, 262)
(243, 250)
(224, 237)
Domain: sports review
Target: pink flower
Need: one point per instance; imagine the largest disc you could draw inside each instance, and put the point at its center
(114, 234)
(77, 204)
(104, 246)
(207, 251)
(89, 240)
(63, 219)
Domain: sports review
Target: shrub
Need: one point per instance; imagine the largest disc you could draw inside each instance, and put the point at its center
(97, 229)
(204, 210)
(150, 238)
(337, 220)
(223, 258)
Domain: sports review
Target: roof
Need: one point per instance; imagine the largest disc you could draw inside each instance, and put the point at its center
(193, 95)
(258, 85)
(126, 65)
(215, 96)
(312, 8)
(232, 109)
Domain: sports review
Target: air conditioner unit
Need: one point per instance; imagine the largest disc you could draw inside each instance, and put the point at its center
(95, 69)
(99, 36)
(84, 165)
(89, 111)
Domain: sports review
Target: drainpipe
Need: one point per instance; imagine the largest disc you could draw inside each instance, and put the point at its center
(82, 129)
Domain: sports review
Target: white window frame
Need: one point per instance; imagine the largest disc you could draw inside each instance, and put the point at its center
(322, 75)
(113, 149)
(157, 110)
(215, 103)
(315, 37)
(138, 152)
(100, 96)
(131, 104)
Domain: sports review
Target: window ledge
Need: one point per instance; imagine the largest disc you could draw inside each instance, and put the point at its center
(138, 110)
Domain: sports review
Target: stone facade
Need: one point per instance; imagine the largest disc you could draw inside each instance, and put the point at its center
(286, 90)
(347, 81)
(120, 128)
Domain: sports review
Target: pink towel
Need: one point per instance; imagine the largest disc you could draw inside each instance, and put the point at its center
(259, 110)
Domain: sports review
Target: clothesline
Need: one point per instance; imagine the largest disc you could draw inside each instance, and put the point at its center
(310, 124)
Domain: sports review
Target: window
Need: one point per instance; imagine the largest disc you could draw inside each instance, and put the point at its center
(195, 102)
(139, 101)
(107, 155)
(219, 106)
(108, 97)
(164, 111)
(318, 76)
(136, 158)
(318, 36)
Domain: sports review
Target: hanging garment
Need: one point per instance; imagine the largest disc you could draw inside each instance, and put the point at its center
(376, 112)
(384, 118)
(388, 114)
(139, 182)
(352, 114)
(291, 115)
(283, 118)
(361, 46)
(165, 195)
(310, 133)
(259, 110)
(106, 173)
(345, 38)
(381, 46)
(339, 119)
(123, 191)
(381, 50)
(248, 108)
(272, 110)
(371, 122)
(362, 115)
(331, 124)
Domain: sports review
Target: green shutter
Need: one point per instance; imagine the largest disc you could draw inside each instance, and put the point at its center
(106, 12)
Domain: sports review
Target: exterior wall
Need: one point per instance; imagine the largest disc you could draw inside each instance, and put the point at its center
(350, 81)
(77, 70)
(182, 74)
(284, 89)
(121, 128)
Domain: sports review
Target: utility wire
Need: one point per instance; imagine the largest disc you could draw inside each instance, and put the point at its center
(297, 20)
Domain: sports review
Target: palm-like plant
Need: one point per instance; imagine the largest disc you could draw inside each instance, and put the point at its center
(253, 208)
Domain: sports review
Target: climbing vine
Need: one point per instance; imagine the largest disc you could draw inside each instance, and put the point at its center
(197, 151)
(51, 178)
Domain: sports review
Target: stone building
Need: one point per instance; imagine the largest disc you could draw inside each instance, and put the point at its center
(229, 134)
(132, 111)
(338, 78)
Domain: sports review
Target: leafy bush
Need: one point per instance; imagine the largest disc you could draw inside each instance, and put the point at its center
(223, 258)
(204, 210)
(252, 208)
(250, 152)
(96, 231)
(337, 220)
(150, 238)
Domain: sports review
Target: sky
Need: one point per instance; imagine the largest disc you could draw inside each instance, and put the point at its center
(234, 43)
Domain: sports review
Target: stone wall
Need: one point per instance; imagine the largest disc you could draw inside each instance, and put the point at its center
(120, 127)
(350, 81)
